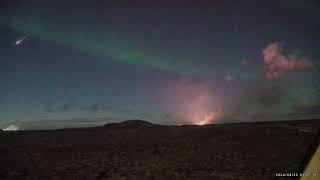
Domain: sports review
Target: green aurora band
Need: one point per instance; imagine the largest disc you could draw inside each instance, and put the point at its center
(118, 50)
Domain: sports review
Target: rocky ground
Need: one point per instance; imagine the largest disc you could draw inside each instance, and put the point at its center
(141, 151)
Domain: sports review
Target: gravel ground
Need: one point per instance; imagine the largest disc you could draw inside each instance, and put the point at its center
(142, 152)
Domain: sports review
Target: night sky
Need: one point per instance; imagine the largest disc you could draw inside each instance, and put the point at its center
(168, 62)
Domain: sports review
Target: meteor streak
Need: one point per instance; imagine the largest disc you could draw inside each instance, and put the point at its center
(19, 41)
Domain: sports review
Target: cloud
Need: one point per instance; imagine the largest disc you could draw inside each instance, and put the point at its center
(95, 107)
(278, 64)
(262, 99)
(65, 108)
(52, 108)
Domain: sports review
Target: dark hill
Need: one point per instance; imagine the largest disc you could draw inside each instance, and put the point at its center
(131, 124)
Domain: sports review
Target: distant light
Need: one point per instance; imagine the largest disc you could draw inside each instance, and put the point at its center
(11, 128)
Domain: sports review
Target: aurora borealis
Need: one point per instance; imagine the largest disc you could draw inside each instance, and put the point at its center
(167, 62)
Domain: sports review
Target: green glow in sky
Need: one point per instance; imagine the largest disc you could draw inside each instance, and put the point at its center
(113, 48)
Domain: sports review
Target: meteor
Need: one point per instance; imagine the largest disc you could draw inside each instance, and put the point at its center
(19, 41)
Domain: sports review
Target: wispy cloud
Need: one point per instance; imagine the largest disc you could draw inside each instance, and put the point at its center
(65, 108)
(52, 108)
(95, 107)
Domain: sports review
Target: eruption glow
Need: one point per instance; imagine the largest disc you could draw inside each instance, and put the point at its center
(207, 119)
(195, 102)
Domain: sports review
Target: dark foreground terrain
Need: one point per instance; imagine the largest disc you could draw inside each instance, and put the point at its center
(139, 150)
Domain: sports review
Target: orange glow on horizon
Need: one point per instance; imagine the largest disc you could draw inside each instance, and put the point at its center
(207, 119)
(201, 123)
(195, 102)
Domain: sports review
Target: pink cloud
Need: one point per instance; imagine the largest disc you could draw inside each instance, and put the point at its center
(277, 64)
